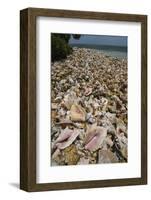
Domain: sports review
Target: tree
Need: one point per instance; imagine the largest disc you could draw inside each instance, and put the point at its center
(60, 47)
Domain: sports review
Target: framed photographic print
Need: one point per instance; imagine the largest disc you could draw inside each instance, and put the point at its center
(83, 99)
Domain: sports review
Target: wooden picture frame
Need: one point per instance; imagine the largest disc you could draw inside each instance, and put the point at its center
(28, 98)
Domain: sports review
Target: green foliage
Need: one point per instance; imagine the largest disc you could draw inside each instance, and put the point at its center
(59, 46)
(65, 37)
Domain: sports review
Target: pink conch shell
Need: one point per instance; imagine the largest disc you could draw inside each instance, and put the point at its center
(66, 138)
(95, 137)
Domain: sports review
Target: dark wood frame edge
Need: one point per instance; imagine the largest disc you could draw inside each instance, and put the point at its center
(28, 99)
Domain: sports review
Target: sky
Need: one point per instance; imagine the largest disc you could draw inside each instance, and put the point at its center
(100, 40)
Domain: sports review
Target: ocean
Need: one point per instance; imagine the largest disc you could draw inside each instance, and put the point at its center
(119, 52)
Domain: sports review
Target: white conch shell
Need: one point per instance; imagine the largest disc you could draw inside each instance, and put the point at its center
(77, 113)
(70, 99)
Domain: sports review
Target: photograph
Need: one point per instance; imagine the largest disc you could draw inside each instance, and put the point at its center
(88, 99)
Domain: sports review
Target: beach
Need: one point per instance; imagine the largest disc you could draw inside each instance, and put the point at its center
(89, 109)
(119, 52)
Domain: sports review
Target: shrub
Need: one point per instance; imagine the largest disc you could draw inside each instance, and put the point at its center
(59, 46)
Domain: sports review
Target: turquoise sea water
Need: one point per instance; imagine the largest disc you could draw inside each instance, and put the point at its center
(114, 51)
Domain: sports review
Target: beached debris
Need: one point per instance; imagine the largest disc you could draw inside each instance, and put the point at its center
(120, 127)
(107, 156)
(77, 113)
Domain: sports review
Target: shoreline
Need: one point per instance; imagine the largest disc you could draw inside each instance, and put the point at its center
(106, 52)
(92, 51)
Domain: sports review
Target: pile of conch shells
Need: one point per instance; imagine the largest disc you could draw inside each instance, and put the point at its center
(88, 109)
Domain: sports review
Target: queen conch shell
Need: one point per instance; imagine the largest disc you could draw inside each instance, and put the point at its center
(77, 113)
(70, 99)
(66, 138)
(95, 137)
